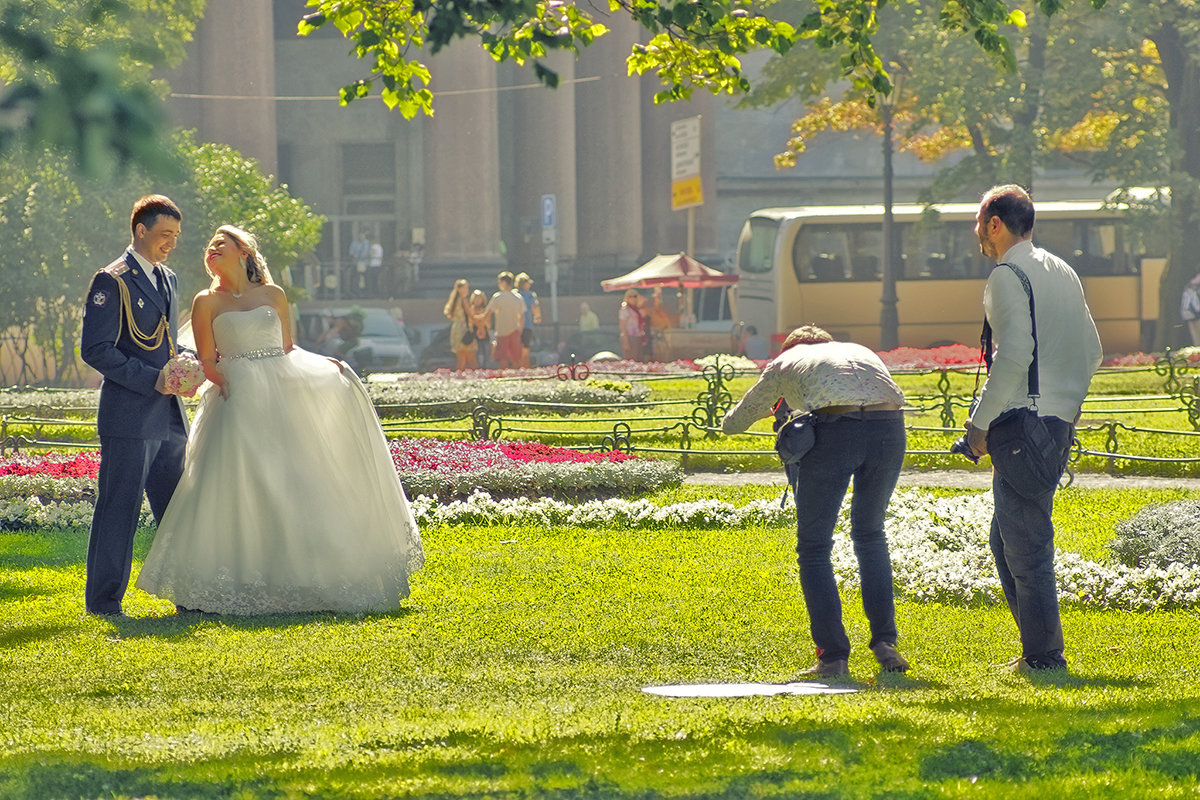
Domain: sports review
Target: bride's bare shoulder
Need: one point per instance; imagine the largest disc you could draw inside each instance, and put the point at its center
(204, 300)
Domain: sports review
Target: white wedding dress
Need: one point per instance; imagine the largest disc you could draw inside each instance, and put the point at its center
(289, 500)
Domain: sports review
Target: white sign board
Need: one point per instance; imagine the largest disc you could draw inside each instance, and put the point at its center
(686, 190)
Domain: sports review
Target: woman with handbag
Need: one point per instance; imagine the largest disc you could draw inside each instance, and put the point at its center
(462, 333)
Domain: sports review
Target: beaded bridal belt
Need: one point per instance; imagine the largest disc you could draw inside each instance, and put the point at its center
(254, 355)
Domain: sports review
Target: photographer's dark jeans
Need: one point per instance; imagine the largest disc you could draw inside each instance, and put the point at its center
(1022, 541)
(872, 452)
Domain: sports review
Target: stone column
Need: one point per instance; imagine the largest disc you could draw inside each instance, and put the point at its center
(462, 185)
(544, 156)
(610, 169)
(231, 69)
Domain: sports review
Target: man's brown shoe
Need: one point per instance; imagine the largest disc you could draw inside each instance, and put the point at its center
(889, 659)
(837, 668)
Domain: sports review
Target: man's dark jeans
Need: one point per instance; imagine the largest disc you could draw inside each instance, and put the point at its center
(1022, 540)
(872, 452)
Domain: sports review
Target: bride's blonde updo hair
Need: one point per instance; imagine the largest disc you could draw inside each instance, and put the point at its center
(252, 260)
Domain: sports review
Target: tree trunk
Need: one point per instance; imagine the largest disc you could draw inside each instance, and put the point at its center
(1182, 72)
(1025, 144)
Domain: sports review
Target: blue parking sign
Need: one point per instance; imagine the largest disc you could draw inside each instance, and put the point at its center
(547, 211)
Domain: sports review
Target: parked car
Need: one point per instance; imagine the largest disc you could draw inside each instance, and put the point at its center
(382, 345)
(435, 350)
(585, 344)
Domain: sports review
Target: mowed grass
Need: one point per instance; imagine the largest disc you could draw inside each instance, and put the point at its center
(516, 668)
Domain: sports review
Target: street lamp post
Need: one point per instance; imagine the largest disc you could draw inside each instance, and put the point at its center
(889, 318)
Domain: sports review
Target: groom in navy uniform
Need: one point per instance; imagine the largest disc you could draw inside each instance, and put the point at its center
(129, 332)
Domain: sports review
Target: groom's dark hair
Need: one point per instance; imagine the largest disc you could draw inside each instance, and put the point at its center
(148, 209)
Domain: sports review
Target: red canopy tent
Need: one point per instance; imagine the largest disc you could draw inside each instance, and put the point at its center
(678, 270)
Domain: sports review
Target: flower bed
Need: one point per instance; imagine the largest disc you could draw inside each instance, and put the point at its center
(84, 464)
(460, 394)
(59, 491)
(448, 470)
(913, 358)
(1192, 354)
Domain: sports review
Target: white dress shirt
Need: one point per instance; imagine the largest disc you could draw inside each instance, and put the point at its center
(1068, 345)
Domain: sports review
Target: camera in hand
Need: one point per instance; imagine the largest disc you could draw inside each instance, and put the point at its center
(963, 448)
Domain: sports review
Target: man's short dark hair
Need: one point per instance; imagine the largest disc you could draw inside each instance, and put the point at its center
(1012, 205)
(148, 209)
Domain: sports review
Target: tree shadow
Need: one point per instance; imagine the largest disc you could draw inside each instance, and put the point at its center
(22, 635)
(178, 626)
(821, 760)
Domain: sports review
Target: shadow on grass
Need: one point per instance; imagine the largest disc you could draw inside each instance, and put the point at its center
(17, 636)
(176, 626)
(822, 761)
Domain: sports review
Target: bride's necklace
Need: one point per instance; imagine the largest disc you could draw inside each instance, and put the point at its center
(235, 295)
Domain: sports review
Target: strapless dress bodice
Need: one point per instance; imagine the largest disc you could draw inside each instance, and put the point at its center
(253, 331)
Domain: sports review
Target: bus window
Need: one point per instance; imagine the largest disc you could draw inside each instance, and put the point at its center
(756, 245)
(1093, 247)
(939, 249)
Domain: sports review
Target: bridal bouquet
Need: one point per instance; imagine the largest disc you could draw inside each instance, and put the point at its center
(182, 375)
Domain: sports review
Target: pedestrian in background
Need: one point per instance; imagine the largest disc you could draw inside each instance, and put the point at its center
(633, 326)
(506, 310)
(462, 330)
(479, 323)
(533, 314)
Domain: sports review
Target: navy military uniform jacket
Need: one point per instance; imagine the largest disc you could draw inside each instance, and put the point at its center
(130, 406)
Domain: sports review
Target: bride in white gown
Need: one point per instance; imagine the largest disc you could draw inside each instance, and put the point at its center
(289, 500)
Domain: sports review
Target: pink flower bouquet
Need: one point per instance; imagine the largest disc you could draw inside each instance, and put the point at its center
(182, 375)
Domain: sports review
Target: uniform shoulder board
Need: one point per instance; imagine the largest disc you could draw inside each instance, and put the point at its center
(116, 268)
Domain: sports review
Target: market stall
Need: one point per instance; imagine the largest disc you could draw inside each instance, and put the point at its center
(675, 333)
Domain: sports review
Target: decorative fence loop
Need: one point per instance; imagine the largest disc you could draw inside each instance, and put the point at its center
(575, 371)
(946, 398)
(1172, 366)
(714, 401)
(1110, 443)
(618, 439)
(484, 425)
(1190, 397)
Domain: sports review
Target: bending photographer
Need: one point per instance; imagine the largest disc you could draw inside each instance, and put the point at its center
(854, 428)
(1043, 352)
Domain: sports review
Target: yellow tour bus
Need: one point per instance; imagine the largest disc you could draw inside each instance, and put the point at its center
(822, 265)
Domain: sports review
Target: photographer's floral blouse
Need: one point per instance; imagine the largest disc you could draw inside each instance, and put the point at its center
(858, 433)
(810, 377)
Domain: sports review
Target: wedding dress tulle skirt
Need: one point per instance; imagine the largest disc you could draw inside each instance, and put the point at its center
(289, 500)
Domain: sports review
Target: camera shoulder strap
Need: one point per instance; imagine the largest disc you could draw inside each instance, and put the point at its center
(985, 338)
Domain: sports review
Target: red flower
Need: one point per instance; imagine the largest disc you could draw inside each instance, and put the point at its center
(85, 464)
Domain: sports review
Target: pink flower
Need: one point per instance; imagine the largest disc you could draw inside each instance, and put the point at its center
(182, 375)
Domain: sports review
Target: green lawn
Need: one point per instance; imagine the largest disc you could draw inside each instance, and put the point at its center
(515, 671)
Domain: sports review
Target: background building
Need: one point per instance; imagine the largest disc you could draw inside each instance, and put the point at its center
(461, 194)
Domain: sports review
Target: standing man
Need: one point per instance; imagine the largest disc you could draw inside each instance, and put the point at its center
(374, 268)
(129, 331)
(1068, 353)
(856, 432)
(507, 310)
(360, 252)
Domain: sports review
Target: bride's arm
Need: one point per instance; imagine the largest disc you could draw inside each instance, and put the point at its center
(279, 302)
(206, 348)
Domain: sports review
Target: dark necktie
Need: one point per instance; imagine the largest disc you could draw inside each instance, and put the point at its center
(161, 283)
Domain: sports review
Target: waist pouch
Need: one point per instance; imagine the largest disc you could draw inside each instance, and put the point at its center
(1024, 452)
